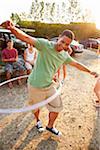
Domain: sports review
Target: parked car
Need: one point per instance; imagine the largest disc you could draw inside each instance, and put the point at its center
(6, 35)
(91, 43)
(76, 47)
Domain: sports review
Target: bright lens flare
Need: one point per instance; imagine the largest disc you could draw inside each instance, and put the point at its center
(98, 25)
(97, 22)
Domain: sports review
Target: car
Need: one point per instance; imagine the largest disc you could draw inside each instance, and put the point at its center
(76, 47)
(91, 43)
(6, 35)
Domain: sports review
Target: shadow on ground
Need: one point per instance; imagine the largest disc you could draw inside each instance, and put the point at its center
(21, 134)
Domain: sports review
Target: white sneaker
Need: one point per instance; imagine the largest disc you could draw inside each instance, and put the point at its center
(39, 126)
(54, 131)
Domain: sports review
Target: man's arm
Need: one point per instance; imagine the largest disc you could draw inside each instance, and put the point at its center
(18, 33)
(16, 59)
(64, 71)
(5, 60)
(83, 68)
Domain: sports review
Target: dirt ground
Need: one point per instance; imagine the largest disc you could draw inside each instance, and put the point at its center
(79, 121)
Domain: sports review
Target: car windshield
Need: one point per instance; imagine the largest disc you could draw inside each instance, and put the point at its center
(74, 43)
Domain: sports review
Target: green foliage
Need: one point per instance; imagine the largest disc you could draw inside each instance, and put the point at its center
(15, 18)
(81, 30)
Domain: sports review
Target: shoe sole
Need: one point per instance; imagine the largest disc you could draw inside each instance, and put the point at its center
(41, 130)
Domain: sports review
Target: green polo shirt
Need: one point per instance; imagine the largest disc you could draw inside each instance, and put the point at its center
(48, 62)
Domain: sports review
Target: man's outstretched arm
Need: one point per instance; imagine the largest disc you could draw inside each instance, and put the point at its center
(18, 33)
(83, 68)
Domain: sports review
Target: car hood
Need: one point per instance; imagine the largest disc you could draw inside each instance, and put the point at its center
(74, 43)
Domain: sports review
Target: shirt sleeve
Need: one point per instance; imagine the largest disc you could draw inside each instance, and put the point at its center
(41, 44)
(69, 59)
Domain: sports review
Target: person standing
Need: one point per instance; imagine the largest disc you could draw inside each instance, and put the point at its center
(51, 56)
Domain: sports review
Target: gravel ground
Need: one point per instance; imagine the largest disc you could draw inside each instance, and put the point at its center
(79, 121)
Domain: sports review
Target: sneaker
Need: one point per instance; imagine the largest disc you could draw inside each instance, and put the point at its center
(39, 126)
(54, 131)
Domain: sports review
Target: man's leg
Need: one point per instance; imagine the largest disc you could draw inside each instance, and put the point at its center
(49, 127)
(52, 118)
(21, 73)
(8, 76)
(97, 90)
(39, 123)
(9, 69)
(54, 108)
(36, 114)
(19, 67)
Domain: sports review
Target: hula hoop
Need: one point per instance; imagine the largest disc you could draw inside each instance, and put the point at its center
(13, 79)
(32, 107)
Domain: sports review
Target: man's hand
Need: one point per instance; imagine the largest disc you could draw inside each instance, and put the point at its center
(12, 60)
(7, 25)
(94, 74)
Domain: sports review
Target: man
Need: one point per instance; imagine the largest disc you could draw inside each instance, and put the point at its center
(10, 57)
(51, 57)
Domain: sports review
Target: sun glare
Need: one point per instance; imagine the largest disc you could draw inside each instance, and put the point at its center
(94, 6)
(97, 19)
(98, 25)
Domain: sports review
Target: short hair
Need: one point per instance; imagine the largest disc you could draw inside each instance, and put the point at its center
(69, 34)
(9, 40)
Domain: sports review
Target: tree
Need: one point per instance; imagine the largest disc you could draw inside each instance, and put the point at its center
(87, 16)
(35, 10)
(15, 18)
(42, 10)
(52, 12)
(74, 10)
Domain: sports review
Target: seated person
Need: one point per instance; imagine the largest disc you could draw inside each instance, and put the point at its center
(97, 91)
(30, 56)
(10, 58)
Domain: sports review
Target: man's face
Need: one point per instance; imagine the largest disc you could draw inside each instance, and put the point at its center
(63, 43)
(10, 44)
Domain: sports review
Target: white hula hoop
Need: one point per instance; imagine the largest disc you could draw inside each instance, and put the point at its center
(13, 79)
(29, 108)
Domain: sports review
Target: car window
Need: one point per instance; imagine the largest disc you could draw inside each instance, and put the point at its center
(7, 37)
(12, 36)
(1, 35)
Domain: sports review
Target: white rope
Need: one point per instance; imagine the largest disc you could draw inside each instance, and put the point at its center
(32, 107)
